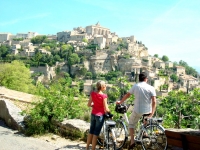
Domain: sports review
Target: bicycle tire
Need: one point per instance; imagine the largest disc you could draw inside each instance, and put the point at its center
(111, 142)
(121, 134)
(153, 138)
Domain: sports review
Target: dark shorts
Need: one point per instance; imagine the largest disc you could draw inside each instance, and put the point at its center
(96, 124)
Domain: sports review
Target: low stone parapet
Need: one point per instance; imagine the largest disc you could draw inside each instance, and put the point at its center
(11, 115)
(187, 139)
(72, 128)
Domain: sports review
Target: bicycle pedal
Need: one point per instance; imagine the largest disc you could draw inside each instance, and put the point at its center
(101, 147)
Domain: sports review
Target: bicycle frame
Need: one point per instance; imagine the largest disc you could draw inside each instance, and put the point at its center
(107, 130)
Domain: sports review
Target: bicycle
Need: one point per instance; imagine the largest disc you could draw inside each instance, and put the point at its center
(150, 134)
(109, 139)
(121, 134)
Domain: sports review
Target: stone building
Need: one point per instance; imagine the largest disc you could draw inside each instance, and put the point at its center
(95, 34)
(49, 72)
(87, 87)
(100, 63)
(29, 51)
(169, 64)
(100, 41)
(111, 39)
(28, 35)
(180, 70)
(159, 64)
(5, 37)
(44, 51)
(63, 36)
(97, 29)
(188, 80)
(15, 48)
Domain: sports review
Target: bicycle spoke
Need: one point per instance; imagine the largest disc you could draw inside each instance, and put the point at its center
(153, 138)
(121, 134)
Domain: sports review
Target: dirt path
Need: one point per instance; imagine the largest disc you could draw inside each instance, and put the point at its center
(11, 139)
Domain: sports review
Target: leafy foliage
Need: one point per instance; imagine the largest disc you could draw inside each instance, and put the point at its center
(156, 55)
(38, 39)
(180, 110)
(4, 50)
(93, 46)
(18, 39)
(85, 40)
(174, 77)
(188, 69)
(16, 76)
(55, 103)
(165, 58)
(73, 59)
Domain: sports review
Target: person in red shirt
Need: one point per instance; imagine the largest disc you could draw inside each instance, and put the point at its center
(98, 102)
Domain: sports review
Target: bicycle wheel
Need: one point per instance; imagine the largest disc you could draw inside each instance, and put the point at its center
(110, 141)
(154, 138)
(121, 134)
(101, 139)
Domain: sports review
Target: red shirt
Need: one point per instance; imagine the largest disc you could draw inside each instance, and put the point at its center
(98, 107)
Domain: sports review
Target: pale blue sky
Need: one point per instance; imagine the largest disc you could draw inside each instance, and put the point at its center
(170, 27)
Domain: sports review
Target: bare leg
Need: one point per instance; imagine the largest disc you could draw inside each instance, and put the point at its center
(131, 130)
(89, 140)
(94, 142)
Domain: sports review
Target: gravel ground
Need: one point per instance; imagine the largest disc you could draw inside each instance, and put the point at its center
(12, 140)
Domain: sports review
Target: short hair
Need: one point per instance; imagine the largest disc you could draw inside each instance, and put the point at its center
(142, 76)
(99, 84)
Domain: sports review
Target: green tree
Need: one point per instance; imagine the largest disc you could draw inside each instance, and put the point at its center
(174, 77)
(156, 55)
(4, 50)
(56, 102)
(66, 51)
(56, 58)
(165, 58)
(188, 69)
(18, 39)
(73, 59)
(38, 39)
(114, 93)
(16, 76)
(183, 63)
(83, 71)
(178, 106)
(47, 48)
(89, 75)
(85, 40)
(38, 57)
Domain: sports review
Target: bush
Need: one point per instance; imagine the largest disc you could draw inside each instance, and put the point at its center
(57, 102)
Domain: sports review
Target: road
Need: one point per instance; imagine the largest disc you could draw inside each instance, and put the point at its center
(12, 140)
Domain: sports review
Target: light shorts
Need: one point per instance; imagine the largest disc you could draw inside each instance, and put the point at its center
(133, 120)
(96, 124)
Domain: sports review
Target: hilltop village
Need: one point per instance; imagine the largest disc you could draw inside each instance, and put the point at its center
(104, 52)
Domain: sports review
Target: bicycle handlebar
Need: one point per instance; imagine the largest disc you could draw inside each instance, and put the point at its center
(109, 115)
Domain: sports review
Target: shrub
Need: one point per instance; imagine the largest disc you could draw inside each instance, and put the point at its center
(57, 102)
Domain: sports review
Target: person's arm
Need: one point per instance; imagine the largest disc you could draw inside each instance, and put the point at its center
(127, 95)
(153, 98)
(106, 105)
(90, 103)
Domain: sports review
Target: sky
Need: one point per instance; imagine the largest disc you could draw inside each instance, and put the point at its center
(166, 27)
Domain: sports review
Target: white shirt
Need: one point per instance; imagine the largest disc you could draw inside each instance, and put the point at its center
(143, 93)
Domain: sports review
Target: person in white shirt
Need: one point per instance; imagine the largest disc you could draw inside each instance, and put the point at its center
(144, 103)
